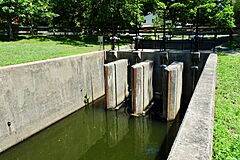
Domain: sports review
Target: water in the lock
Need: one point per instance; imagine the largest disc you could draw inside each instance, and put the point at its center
(95, 134)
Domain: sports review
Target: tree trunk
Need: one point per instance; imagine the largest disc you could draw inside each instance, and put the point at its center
(10, 31)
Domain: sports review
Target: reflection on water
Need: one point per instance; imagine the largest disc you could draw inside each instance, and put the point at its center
(93, 133)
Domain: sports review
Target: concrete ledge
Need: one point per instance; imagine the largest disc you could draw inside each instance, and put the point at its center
(37, 94)
(195, 136)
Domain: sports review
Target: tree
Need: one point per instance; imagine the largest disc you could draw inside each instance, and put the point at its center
(113, 13)
(159, 9)
(236, 8)
(35, 12)
(212, 12)
(29, 12)
(225, 17)
(106, 14)
(70, 13)
(9, 10)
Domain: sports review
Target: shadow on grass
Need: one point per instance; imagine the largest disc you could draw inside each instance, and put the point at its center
(221, 53)
(234, 44)
(82, 41)
(73, 40)
(5, 38)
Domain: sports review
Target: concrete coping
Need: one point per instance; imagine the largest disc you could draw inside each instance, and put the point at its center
(50, 60)
(116, 62)
(137, 65)
(142, 64)
(147, 62)
(120, 61)
(195, 136)
(174, 65)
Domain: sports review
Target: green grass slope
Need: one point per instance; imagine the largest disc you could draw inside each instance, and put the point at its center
(227, 109)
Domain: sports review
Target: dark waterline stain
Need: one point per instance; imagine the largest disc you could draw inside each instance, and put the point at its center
(94, 133)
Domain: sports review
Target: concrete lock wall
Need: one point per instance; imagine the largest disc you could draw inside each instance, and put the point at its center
(172, 93)
(142, 86)
(116, 82)
(35, 95)
(195, 136)
(155, 56)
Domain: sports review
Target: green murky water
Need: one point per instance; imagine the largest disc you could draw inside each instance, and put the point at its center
(95, 134)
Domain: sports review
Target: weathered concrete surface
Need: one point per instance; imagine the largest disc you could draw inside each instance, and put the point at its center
(195, 136)
(121, 67)
(110, 85)
(116, 82)
(147, 83)
(137, 89)
(142, 86)
(173, 90)
(157, 57)
(35, 95)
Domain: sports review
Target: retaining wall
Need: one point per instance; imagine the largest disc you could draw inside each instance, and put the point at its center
(195, 136)
(35, 95)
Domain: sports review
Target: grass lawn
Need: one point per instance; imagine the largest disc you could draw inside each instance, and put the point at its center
(227, 109)
(33, 48)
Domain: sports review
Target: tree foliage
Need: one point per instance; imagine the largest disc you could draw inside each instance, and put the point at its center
(211, 12)
(29, 12)
(36, 12)
(236, 8)
(225, 17)
(102, 14)
(9, 10)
